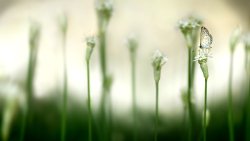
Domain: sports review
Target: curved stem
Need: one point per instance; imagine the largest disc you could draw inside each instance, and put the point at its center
(156, 109)
(205, 112)
(230, 100)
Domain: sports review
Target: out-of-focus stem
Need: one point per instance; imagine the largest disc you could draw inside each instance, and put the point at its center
(189, 92)
(205, 111)
(33, 47)
(230, 99)
(102, 53)
(65, 94)
(248, 111)
(156, 110)
(89, 104)
(133, 71)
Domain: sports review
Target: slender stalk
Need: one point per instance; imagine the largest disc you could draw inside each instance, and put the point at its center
(89, 104)
(248, 112)
(29, 88)
(23, 126)
(102, 52)
(156, 109)
(190, 61)
(205, 112)
(133, 70)
(65, 94)
(33, 46)
(159, 59)
(104, 11)
(230, 99)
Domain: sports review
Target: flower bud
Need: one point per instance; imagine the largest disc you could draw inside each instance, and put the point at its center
(90, 41)
(159, 59)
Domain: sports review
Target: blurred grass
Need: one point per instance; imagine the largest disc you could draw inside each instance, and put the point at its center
(46, 123)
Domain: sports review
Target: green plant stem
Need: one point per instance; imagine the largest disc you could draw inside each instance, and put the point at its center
(89, 104)
(156, 109)
(189, 92)
(205, 112)
(247, 63)
(23, 126)
(102, 53)
(133, 70)
(230, 99)
(29, 88)
(248, 111)
(65, 95)
(193, 54)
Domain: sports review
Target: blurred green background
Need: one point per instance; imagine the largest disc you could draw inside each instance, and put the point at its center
(155, 24)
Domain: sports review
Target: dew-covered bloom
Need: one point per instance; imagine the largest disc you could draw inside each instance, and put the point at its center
(235, 38)
(91, 42)
(158, 60)
(189, 27)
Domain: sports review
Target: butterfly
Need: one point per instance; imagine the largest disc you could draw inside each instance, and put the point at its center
(206, 38)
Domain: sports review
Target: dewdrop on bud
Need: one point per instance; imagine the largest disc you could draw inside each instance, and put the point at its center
(91, 42)
(158, 60)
